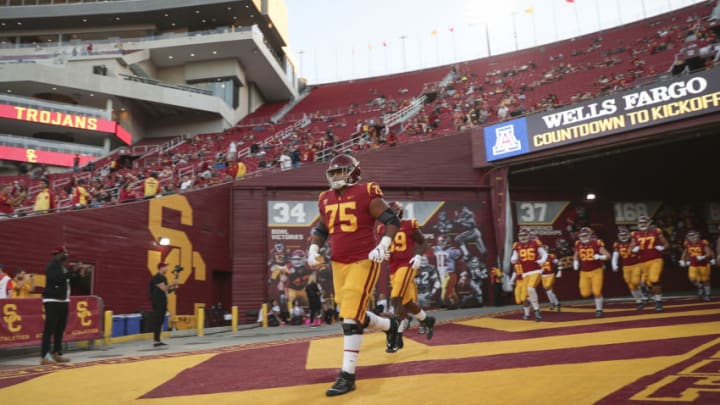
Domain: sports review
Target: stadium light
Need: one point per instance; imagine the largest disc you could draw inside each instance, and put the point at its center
(590, 196)
(163, 241)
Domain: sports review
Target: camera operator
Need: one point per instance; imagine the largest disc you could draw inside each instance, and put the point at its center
(56, 300)
(159, 289)
(24, 283)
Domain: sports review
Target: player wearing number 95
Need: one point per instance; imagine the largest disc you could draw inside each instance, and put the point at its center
(348, 212)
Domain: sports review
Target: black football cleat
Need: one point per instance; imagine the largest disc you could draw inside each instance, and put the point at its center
(391, 334)
(344, 384)
(658, 306)
(598, 313)
(429, 324)
(538, 316)
(558, 306)
(641, 305)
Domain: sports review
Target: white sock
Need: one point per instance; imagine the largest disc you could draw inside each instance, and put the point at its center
(526, 311)
(552, 297)
(351, 350)
(637, 295)
(421, 315)
(403, 325)
(377, 322)
(707, 290)
(598, 303)
(48, 356)
(532, 294)
(658, 298)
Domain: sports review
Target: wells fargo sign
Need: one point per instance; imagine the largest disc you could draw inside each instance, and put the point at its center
(41, 156)
(62, 119)
(22, 320)
(655, 104)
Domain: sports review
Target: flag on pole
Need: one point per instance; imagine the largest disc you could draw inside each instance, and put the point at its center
(451, 29)
(569, 1)
(529, 10)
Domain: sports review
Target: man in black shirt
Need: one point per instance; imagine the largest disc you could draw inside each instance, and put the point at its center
(56, 301)
(159, 289)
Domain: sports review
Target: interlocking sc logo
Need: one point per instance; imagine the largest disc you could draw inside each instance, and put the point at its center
(31, 155)
(11, 318)
(83, 313)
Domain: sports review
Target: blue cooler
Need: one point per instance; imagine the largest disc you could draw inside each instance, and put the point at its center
(118, 325)
(132, 324)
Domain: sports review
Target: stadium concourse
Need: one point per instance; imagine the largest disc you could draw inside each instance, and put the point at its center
(476, 356)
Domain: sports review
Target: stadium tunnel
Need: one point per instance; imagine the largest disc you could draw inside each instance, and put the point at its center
(665, 171)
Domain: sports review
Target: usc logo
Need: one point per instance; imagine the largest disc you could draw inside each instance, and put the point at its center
(31, 155)
(83, 313)
(11, 318)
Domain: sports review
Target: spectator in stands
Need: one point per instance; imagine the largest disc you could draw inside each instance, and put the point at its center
(232, 151)
(295, 158)
(126, 193)
(80, 194)
(308, 154)
(24, 284)
(240, 170)
(187, 182)
(6, 284)
(76, 163)
(6, 207)
(19, 194)
(44, 200)
(285, 160)
(150, 189)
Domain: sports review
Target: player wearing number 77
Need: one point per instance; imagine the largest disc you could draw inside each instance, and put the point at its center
(649, 243)
(348, 212)
(589, 256)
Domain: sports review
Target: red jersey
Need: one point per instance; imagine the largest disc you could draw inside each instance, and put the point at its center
(627, 257)
(696, 249)
(348, 220)
(647, 240)
(528, 254)
(586, 252)
(5, 207)
(402, 248)
(547, 267)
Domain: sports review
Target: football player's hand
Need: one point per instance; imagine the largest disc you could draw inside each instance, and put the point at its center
(615, 268)
(659, 248)
(558, 274)
(576, 265)
(540, 262)
(700, 257)
(313, 255)
(598, 256)
(381, 251)
(635, 249)
(415, 262)
(713, 262)
(682, 263)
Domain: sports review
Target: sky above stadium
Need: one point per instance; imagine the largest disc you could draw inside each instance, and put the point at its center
(336, 40)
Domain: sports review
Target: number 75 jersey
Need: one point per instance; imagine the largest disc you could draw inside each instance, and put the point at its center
(348, 220)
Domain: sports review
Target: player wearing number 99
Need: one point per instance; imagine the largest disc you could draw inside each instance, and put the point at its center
(348, 212)
(649, 243)
(589, 256)
(405, 258)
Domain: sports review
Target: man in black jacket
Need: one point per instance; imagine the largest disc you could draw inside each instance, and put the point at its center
(159, 289)
(56, 300)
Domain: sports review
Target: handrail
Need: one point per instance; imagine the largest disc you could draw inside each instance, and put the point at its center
(156, 82)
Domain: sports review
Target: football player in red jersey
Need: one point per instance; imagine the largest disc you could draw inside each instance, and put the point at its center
(649, 243)
(697, 257)
(623, 255)
(529, 253)
(406, 252)
(589, 256)
(520, 291)
(548, 279)
(348, 211)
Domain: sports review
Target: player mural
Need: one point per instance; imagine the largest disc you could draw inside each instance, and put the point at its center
(452, 274)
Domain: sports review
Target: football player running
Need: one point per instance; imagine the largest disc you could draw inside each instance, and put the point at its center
(698, 257)
(529, 253)
(348, 211)
(406, 252)
(589, 256)
(548, 279)
(623, 255)
(649, 243)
